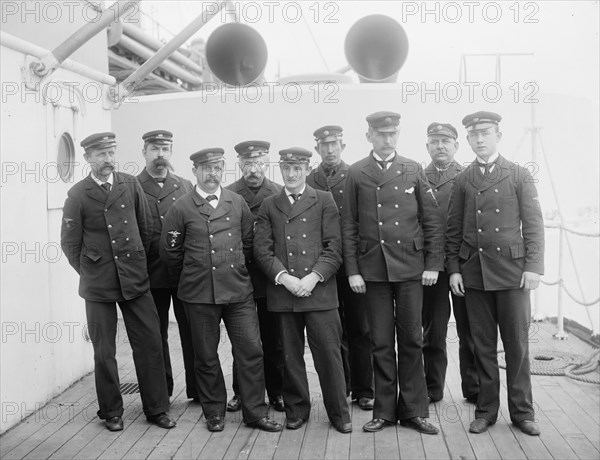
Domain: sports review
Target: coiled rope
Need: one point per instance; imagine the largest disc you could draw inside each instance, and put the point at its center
(554, 362)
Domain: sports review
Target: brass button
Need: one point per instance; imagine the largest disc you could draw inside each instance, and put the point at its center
(125, 222)
(479, 230)
(382, 241)
(479, 211)
(303, 252)
(289, 237)
(109, 226)
(114, 242)
(128, 255)
(496, 229)
(497, 211)
(379, 205)
(480, 249)
(122, 205)
(395, 206)
(116, 257)
(291, 270)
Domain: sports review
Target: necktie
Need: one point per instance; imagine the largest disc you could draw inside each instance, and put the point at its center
(383, 164)
(160, 181)
(486, 169)
(295, 196)
(329, 172)
(209, 198)
(106, 186)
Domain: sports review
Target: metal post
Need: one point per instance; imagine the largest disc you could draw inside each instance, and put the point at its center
(127, 86)
(538, 314)
(50, 62)
(560, 332)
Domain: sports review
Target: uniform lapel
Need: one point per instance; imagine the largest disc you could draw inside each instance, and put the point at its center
(395, 169)
(500, 172)
(171, 185)
(224, 205)
(263, 192)
(283, 202)
(338, 176)
(203, 207)
(372, 169)
(94, 191)
(116, 190)
(149, 185)
(308, 199)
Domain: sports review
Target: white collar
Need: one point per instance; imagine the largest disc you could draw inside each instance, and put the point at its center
(203, 194)
(389, 157)
(491, 159)
(288, 193)
(109, 181)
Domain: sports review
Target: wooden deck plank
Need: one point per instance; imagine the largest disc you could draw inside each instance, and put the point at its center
(567, 410)
(316, 434)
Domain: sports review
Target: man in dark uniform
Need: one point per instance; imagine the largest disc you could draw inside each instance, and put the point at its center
(298, 246)
(206, 240)
(106, 229)
(441, 146)
(254, 187)
(393, 241)
(495, 256)
(356, 339)
(162, 188)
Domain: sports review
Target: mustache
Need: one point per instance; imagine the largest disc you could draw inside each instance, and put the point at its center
(162, 162)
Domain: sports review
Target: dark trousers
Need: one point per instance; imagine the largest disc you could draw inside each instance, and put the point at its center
(356, 341)
(241, 322)
(395, 316)
(323, 330)
(272, 351)
(510, 311)
(162, 299)
(436, 313)
(143, 331)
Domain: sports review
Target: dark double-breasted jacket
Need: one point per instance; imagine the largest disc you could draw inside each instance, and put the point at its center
(299, 239)
(105, 237)
(441, 184)
(160, 200)
(392, 226)
(205, 248)
(335, 184)
(495, 227)
(267, 188)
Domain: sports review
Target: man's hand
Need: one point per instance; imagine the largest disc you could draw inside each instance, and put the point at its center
(307, 284)
(357, 284)
(530, 281)
(291, 283)
(456, 284)
(429, 278)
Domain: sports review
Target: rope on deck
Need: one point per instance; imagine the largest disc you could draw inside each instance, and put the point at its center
(554, 362)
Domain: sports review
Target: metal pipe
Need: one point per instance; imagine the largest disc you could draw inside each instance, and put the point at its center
(23, 46)
(154, 44)
(130, 83)
(52, 60)
(560, 333)
(172, 68)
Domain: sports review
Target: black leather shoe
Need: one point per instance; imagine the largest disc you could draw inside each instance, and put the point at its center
(294, 423)
(479, 425)
(420, 424)
(215, 423)
(365, 403)
(234, 404)
(377, 424)
(266, 424)
(528, 427)
(472, 399)
(277, 403)
(342, 427)
(162, 420)
(114, 423)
